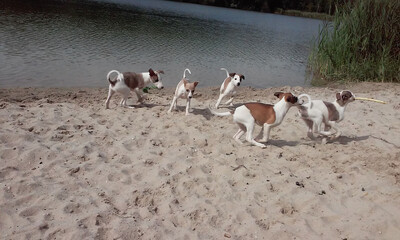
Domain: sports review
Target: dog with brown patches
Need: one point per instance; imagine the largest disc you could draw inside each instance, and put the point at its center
(316, 112)
(125, 82)
(228, 86)
(185, 90)
(265, 115)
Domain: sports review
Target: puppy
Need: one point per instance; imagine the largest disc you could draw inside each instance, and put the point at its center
(265, 115)
(185, 90)
(316, 112)
(125, 82)
(228, 87)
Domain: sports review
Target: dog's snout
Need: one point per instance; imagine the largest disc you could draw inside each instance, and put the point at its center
(238, 84)
(162, 87)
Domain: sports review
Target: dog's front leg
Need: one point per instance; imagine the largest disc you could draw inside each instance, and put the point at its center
(334, 127)
(260, 134)
(139, 95)
(267, 130)
(187, 107)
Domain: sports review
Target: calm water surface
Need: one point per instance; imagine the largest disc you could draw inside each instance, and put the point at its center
(66, 44)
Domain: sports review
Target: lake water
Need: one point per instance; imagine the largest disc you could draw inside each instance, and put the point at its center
(76, 43)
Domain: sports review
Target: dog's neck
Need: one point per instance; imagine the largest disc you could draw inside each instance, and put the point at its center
(340, 104)
(281, 109)
(146, 78)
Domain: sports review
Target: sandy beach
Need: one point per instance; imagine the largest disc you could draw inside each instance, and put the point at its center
(70, 169)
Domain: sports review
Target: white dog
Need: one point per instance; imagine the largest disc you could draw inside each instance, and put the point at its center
(125, 82)
(185, 90)
(265, 115)
(228, 87)
(316, 112)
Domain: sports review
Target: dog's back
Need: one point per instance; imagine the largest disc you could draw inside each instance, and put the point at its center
(133, 80)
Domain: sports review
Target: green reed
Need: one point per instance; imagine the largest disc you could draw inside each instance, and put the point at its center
(362, 43)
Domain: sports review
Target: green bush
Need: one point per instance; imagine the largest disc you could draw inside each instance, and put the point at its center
(362, 43)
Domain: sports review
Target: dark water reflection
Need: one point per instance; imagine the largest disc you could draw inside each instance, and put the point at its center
(61, 43)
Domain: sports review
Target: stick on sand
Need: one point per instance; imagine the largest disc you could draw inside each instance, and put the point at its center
(370, 99)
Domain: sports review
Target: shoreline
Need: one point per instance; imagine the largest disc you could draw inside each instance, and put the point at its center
(72, 169)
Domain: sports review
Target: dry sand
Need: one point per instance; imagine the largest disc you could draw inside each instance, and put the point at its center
(71, 169)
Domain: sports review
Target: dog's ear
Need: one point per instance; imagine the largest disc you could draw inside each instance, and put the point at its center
(242, 77)
(152, 73)
(195, 84)
(346, 95)
(290, 99)
(232, 74)
(160, 71)
(338, 96)
(278, 94)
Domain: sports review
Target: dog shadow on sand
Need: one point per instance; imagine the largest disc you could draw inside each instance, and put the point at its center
(203, 112)
(344, 140)
(146, 105)
(281, 143)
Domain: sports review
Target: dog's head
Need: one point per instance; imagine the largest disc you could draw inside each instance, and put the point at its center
(155, 78)
(289, 97)
(236, 79)
(345, 97)
(189, 87)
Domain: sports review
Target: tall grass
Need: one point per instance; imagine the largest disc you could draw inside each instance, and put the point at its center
(362, 43)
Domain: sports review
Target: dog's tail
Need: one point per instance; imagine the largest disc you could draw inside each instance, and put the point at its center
(222, 114)
(307, 96)
(184, 72)
(227, 73)
(120, 76)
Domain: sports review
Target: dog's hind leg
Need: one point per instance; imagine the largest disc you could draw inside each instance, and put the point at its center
(249, 134)
(239, 133)
(173, 104)
(110, 93)
(229, 102)
(331, 125)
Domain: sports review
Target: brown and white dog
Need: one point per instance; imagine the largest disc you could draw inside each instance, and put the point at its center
(185, 90)
(265, 115)
(125, 82)
(316, 112)
(228, 87)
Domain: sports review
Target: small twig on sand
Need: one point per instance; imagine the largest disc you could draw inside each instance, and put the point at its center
(236, 168)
